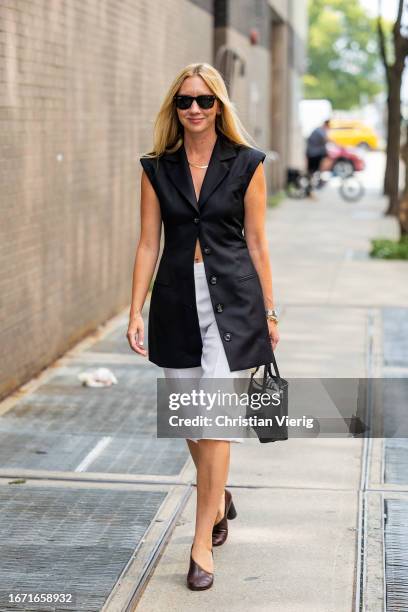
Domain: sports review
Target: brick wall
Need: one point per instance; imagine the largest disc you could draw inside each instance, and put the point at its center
(80, 83)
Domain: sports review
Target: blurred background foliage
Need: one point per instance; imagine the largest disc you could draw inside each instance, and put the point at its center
(344, 65)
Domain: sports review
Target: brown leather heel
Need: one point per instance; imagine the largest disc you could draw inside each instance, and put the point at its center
(197, 578)
(220, 529)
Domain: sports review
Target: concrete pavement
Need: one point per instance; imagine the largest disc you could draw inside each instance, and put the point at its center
(106, 509)
(294, 545)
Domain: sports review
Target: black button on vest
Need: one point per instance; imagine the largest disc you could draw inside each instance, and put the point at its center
(174, 338)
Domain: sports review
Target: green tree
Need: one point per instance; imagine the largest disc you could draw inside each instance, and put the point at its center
(343, 54)
(394, 68)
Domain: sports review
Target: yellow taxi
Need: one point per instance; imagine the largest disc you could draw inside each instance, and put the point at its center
(352, 133)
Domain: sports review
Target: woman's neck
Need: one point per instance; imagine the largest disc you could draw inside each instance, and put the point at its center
(199, 146)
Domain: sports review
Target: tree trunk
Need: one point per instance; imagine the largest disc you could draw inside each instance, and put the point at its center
(391, 178)
(403, 207)
(393, 74)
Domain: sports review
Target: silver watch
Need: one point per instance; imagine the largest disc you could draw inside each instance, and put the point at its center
(271, 314)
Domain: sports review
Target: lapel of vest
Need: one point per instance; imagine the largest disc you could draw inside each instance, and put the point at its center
(178, 170)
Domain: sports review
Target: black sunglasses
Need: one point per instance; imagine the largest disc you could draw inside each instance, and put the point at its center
(184, 102)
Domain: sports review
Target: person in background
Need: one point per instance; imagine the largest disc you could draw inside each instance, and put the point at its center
(316, 151)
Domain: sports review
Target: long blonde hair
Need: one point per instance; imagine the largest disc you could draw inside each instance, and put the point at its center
(168, 133)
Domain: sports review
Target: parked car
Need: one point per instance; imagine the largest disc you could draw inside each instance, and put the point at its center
(342, 161)
(353, 133)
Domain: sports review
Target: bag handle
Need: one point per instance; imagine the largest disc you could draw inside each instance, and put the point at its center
(267, 368)
(275, 365)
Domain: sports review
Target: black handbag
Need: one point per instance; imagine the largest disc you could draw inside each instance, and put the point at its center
(276, 411)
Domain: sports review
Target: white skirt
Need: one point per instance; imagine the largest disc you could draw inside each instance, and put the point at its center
(214, 362)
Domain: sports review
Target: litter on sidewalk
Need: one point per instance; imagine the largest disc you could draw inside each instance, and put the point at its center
(101, 377)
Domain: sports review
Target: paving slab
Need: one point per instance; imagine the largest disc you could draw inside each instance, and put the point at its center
(289, 550)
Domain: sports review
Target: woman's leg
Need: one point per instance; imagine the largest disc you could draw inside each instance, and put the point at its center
(213, 456)
(210, 480)
(194, 451)
(212, 474)
(174, 374)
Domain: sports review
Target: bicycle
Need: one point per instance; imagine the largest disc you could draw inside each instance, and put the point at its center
(300, 184)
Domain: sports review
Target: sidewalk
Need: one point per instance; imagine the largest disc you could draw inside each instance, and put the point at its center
(97, 510)
(294, 545)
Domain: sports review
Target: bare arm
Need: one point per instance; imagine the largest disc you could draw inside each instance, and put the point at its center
(255, 235)
(145, 261)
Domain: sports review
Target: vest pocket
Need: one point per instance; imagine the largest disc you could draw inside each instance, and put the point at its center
(246, 276)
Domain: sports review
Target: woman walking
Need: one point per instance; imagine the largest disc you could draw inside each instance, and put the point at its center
(211, 310)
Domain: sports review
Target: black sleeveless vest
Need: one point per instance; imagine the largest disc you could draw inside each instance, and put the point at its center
(217, 220)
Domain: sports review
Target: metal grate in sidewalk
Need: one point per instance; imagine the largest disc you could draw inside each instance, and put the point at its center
(395, 336)
(115, 342)
(396, 461)
(61, 424)
(67, 453)
(396, 554)
(69, 540)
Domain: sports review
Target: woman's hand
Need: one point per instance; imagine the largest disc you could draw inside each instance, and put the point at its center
(135, 335)
(273, 333)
